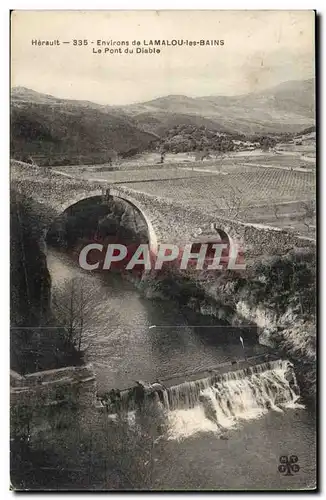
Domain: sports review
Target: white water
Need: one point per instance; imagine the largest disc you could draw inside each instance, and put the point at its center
(236, 396)
(221, 401)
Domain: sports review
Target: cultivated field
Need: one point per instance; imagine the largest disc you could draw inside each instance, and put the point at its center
(120, 176)
(236, 187)
(241, 190)
(233, 188)
(289, 161)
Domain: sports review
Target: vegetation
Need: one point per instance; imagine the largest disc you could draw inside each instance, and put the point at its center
(279, 284)
(72, 447)
(309, 214)
(289, 283)
(183, 138)
(54, 131)
(308, 130)
(73, 306)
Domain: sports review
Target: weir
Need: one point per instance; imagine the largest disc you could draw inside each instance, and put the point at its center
(222, 395)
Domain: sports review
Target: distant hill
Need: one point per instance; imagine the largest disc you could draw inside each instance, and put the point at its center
(57, 131)
(159, 122)
(288, 107)
(309, 130)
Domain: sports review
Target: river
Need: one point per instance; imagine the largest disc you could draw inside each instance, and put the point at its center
(128, 338)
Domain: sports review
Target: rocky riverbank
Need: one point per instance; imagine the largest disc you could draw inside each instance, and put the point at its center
(276, 294)
(36, 341)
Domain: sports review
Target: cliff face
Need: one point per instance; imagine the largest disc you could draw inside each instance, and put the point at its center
(30, 279)
(35, 342)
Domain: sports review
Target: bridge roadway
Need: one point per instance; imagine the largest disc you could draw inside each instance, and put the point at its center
(168, 221)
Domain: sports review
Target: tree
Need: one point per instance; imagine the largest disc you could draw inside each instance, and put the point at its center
(309, 213)
(267, 143)
(234, 201)
(274, 205)
(221, 156)
(73, 305)
(163, 153)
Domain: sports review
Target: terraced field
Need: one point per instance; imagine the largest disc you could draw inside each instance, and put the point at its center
(290, 161)
(273, 197)
(156, 174)
(229, 186)
(258, 187)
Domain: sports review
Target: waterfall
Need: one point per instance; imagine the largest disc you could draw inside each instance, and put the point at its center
(264, 385)
(269, 383)
(234, 396)
(186, 395)
(217, 402)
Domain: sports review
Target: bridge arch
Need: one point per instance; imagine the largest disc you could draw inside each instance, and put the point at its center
(108, 194)
(218, 232)
(234, 245)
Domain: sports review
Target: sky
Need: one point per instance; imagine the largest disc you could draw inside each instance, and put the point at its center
(261, 49)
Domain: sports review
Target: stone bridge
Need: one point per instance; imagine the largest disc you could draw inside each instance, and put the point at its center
(49, 194)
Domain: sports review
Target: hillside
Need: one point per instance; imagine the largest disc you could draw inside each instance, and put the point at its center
(288, 107)
(160, 122)
(60, 131)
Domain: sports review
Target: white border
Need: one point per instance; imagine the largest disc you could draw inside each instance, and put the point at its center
(319, 5)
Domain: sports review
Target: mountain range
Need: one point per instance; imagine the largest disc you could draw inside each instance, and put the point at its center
(287, 107)
(45, 125)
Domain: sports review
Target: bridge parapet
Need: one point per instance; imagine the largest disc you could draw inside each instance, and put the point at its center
(167, 221)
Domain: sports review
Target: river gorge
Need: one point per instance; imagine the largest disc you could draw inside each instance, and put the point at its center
(128, 337)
